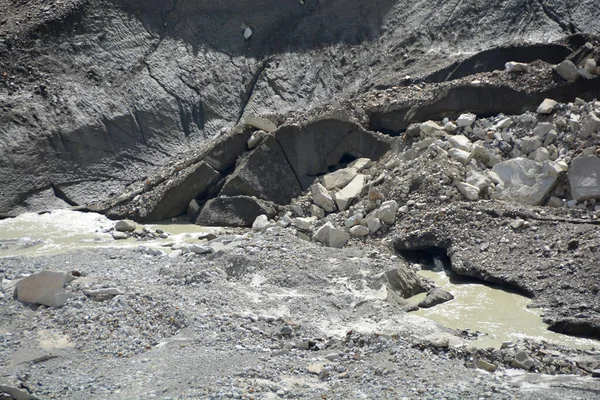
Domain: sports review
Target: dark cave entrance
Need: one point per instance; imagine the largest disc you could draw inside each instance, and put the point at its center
(343, 162)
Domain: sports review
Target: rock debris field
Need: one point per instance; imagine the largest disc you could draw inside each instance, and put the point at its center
(252, 198)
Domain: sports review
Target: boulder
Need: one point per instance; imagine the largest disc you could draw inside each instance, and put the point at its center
(590, 66)
(359, 230)
(338, 238)
(525, 181)
(339, 178)
(173, 199)
(265, 174)
(513, 66)
(460, 155)
(120, 235)
(350, 192)
(302, 224)
(567, 70)
(430, 127)
(590, 125)
(322, 198)
(322, 234)
(193, 209)
(530, 144)
(125, 226)
(234, 211)
(360, 163)
(584, 178)
(434, 297)
(263, 124)
(405, 282)
(468, 191)
(374, 224)
(547, 106)
(45, 288)
(479, 180)
(224, 153)
(316, 211)
(523, 361)
(260, 223)
(387, 212)
(460, 142)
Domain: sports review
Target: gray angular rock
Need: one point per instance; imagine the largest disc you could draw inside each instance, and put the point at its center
(584, 178)
(434, 297)
(260, 223)
(125, 226)
(45, 288)
(525, 181)
(567, 70)
(322, 198)
(350, 192)
(339, 178)
(234, 211)
(405, 282)
(338, 238)
(547, 106)
(263, 124)
(359, 230)
(387, 212)
(469, 192)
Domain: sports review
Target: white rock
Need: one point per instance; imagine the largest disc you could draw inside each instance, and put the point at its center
(555, 202)
(513, 66)
(360, 163)
(339, 178)
(430, 127)
(302, 223)
(591, 125)
(322, 198)
(585, 73)
(584, 178)
(530, 144)
(46, 288)
(255, 139)
(470, 192)
(316, 211)
(338, 238)
(460, 156)
(547, 106)
(175, 253)
(484, 155)
(479, 180)
(504, 123)
(125, 225)
(540, 155)
(247, 33)
(353, 221)
(119, 235)
(374, 224)
(550, 138)
(450, 127)
(359, 230)
(590, 66)
(322, 234)
(543, 128)
(260, 123)
(567, 70)
(344, 197)
(285, 221)
(387, 212)
(260, 223)
(460, 142)
(466, 120)
(524, 181)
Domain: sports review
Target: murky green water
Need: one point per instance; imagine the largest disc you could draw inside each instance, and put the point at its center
(501, 315)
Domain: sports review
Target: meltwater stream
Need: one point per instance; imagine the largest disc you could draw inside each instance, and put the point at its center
(502, 316)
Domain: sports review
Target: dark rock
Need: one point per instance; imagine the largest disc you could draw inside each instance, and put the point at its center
(327, 141)
(399, 301)
(174, 196)
(226, 150)
(234, 211)
(434, 297)
(405, 282)
(265, 174)
(193, 210)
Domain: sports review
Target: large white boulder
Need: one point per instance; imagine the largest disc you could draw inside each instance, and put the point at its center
(567, 70)
(344, 197)
(547, 106)
(525, 181)
(430, 127)
(584, 178)
(466, 120)
(460, 142)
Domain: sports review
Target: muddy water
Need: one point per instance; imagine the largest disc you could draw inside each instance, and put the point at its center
(501, 316)
(62, 230)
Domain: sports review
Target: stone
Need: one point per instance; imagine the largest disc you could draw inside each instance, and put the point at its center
(434, 297)
(103, 292)
(263, 124)
(360, 163)
(240, 211)
(450, 127)
(591, 125)
(339, 178)
(316, 211)
(591, 66)
(468, 191)
(285, 221)
(504, 123)
(265, 174)
(460, 142)
(322, 234)
(585, 74)
(322, 198)
(247, 33)
(523, 361)
(460, 156)
(525, 181)
(227, 149)
(530, 144)
(260, 223)
(517, 223)
(354, 220)
(584, 178)
(255, 139)
(315, 369)
(206, 236)
(350, 192)
(465, 120)
(478, 180)
(359, 230)
(16, 394)
(125, 226)
(405, 282)
(374, 224)
(484, 155)
(338, 238)
(540, 155)
(119, 235)
(386, 213)
(550, 138)
(193, 209)
(430, 127)
(302, 223)
(567, 70)
(547, 106)
(45, 288)
(486, 366)
(513, 66)
(554, 202)
(543, 128)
